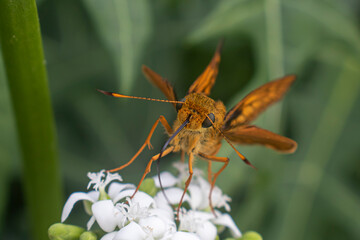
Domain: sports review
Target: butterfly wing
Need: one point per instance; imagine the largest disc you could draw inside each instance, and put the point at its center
(248, 134)
(206, 80)
(256, 102)
(161, 83)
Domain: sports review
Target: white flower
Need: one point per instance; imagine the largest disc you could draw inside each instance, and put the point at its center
(136, 222)
(109, 236)
(145, 218)
(199, 189)
(203, 223)
(217, 197)
(100, 181)
(167, 180)
(191, 220)
(114, 210)
(132, 231)
(107, 215)
(185, 235)
(196, 221)
(132, 209)
(227, 221)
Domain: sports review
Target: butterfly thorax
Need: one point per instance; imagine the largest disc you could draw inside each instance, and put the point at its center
(196, 136)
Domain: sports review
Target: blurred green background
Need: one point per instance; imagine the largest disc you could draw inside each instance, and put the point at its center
(89, 44)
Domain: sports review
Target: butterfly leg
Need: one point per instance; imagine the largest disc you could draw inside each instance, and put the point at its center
(187, 183)
(182, 156)
(209, 171)
(148, 167)
(168, 129)
(217, 148)
(225, 160)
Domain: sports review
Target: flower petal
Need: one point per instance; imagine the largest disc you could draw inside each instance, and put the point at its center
(184, 171)
(123, 194)
(227, 221)
(162, 213)
(109, 236)
(161, 203)
(75, 197)
(132, 231)
(184, 235)
(115, 188)
(219, 199)
(199, 215)
(191, 220)
(206, 231)
(196, 196)
(153, 226)
(111, 177)
(94, 195)
(167, 180)
(95, 179)
(173, 195)
(144, 199)
(106, 215)
(90, 223)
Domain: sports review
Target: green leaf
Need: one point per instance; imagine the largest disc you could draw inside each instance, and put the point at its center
(124, 26)
(332, 21)
(235, 16)
(9, 154)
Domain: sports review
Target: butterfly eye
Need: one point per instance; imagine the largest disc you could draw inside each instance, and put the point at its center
(179, 105)
(207, 123)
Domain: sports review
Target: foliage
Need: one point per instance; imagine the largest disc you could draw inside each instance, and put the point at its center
(26, 77)
(311, 194)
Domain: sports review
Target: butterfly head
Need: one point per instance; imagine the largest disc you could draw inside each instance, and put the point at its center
(203, 112)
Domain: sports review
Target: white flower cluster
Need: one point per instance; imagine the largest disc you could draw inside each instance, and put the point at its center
(153, 218)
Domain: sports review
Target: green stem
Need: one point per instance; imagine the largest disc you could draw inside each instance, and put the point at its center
(25, 69)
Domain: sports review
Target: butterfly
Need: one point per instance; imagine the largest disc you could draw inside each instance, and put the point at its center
(202, 123)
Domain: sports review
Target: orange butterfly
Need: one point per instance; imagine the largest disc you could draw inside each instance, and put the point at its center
(202, 123)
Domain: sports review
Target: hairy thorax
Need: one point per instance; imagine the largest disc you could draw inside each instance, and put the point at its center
(195, 137)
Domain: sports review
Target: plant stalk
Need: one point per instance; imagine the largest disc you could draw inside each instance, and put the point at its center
(27, 80)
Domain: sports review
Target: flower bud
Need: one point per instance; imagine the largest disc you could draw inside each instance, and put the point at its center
(88, 236)
(60, 231)
(251, 236)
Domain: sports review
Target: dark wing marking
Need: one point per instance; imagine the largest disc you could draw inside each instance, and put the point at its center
(248, 134)
(257, 101)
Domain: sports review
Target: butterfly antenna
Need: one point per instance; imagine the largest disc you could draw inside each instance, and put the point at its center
(228, 141)
(220, 45)
(118, 95)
